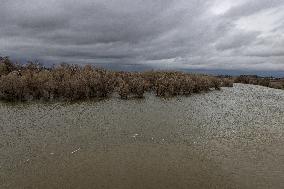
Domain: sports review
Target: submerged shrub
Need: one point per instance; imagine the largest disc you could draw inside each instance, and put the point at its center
(216, 83)
(132, 84)
(264, 82)
(6, 66)
(276, 83)
(227, 82)
(242, 79)
(71, 82)
(124, 90)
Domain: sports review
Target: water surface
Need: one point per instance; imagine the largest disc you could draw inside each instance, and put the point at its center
(223, 139)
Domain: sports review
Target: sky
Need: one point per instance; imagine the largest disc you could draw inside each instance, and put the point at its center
(225, 35)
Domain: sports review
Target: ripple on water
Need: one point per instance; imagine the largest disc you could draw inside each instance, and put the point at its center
(223, 139)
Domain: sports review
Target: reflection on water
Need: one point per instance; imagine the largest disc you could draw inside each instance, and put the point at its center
(224, 139)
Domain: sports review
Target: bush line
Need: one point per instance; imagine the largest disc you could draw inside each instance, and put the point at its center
(73, 82)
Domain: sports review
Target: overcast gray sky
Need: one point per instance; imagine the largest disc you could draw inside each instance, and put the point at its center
(197, 34)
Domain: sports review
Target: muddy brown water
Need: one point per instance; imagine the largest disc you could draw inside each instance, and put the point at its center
(224, 139)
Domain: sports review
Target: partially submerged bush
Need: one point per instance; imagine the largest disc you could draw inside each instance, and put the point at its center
(6, 66)
(263, 81)
(71, 82)
(227, 82)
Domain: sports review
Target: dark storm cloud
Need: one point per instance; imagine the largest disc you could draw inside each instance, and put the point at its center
(177, 34)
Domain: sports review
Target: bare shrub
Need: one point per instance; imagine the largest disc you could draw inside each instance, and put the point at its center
(124, 90)
(71, 82)
(227, 82)
(216, 83)
(6, 66)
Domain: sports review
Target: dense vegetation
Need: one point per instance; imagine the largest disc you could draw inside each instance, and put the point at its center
(271, 82)
(73, 82)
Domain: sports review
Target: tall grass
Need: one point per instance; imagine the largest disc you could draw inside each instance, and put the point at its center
(72, 82)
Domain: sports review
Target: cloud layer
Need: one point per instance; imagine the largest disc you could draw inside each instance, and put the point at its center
(220, 34)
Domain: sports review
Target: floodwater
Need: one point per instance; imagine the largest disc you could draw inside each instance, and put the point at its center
(223, 139)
